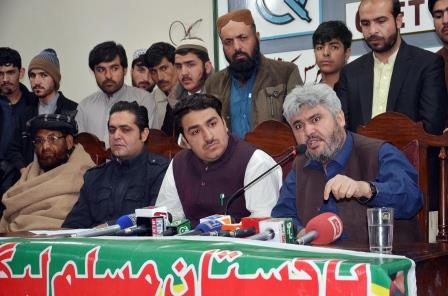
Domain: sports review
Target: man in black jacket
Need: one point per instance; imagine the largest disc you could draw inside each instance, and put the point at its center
(132, 178)
(14, 96)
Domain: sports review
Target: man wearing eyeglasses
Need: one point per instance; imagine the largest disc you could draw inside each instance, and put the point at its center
(49, 186)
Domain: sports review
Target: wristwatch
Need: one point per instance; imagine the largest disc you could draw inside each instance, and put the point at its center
(373, 190)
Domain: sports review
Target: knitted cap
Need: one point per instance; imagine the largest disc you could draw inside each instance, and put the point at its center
(192, 42)
(47, 61)
(242, 15)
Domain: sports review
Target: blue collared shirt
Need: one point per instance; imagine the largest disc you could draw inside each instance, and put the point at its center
(241, 106)
(396, 183)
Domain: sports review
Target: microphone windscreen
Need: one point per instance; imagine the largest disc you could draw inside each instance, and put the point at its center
(301, 149)
(126, 221)
(328, 225)
(208, 226)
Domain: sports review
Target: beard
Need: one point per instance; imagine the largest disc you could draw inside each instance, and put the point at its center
(334, 144)
(389, 42)
(242, 70)
(51, 161)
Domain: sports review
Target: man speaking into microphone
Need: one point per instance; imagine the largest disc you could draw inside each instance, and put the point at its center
(343, 172)
(201, 179)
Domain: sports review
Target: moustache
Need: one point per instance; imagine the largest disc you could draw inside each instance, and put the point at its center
(313, 138)
(186, 78)
(239, 52)
(37, 87)
(375, 38)
(6, 83)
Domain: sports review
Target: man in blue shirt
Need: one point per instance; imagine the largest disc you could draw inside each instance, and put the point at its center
(344, 172)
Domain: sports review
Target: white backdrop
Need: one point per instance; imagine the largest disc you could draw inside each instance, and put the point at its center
(73, 28)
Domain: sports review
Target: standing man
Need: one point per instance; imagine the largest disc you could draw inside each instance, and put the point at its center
(252, 88)
(201, 178)
(129, 181)
(14, 96)
(439, 12)
(193, 67)
(49, 186)
(140, 75)
(343, 172)
(109, 64)
(395, 76)
(331, 42)
(160, 61)
(45, 77)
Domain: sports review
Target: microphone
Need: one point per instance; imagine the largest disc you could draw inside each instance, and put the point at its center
(177, 227)
(322, 230)
(298, 150)
(279, 230)
(242, 232)
(152, 221)
(204, 227)
(121, 223)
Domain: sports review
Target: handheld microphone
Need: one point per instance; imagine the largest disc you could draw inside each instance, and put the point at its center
(121, 223)
(204, 227)
(298, 150)
(242, 232)
(275, 229)
(322, 229)
(177, 227)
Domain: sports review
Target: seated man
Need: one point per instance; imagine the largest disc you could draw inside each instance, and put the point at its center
(129, 181)
(201, 179)
(343, 172)
(49, 186)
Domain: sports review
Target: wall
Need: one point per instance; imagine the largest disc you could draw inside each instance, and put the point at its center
(73, 28)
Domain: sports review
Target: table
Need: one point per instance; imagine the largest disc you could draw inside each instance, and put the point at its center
(194, 266)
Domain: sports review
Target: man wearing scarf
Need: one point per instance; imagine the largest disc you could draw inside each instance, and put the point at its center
(50, 185)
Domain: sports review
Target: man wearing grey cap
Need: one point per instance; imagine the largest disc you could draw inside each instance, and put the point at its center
(140, 75)
(48, 187)
(45, 78)
(252, 88)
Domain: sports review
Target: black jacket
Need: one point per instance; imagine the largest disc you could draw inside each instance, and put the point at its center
(20, 151)
(117, 188)
(417, 88)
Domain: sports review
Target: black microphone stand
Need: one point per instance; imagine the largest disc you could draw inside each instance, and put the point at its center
(299, 149)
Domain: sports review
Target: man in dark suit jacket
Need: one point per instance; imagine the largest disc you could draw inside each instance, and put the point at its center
(416, 88)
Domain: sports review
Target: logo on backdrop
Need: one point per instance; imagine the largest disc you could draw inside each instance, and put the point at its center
(285, 18)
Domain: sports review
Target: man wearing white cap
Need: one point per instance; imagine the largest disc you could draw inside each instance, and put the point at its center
(140, 75)
(193, 67)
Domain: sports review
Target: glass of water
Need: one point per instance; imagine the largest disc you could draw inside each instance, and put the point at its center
(381, 229)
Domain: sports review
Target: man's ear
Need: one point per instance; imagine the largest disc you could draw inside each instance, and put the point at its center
(21, 73)
(340, 118)
(144, 134)
(183, 142)
(208, 67)
(348, 53)
(258, 35)
(69, 141)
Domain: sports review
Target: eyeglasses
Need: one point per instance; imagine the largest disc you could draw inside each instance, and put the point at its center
(51, 140)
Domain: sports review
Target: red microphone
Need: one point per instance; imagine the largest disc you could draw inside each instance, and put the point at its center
(322, 230)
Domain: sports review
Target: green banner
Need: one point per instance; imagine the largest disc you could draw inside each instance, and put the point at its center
(195, 266)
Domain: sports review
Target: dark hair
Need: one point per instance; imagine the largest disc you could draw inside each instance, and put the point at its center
(140, 61)
(396, 7)
(194, 102)
(10, 56)
(106, 52)
(431, 4)
(140, 112)
(202, 55)
(327, 31)
(155, 54)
